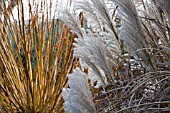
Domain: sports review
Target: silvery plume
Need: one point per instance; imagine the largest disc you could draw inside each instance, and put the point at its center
(78, 98)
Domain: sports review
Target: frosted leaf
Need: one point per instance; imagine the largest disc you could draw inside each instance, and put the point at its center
(78, 98)
(131, 24)
(70, 19)
(94, 51)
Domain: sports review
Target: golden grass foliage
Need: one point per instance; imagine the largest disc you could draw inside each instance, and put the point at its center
(35, 58)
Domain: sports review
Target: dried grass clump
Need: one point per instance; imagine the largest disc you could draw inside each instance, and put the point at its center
(35, 57)
(127, 49)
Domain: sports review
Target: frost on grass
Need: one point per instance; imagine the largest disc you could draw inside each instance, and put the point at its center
(78, 98)
(94, 52)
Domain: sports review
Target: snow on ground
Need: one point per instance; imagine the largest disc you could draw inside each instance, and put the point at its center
(34, 3)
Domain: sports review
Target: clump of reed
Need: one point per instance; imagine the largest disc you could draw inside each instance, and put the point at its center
(35, 57)
(125, 54)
